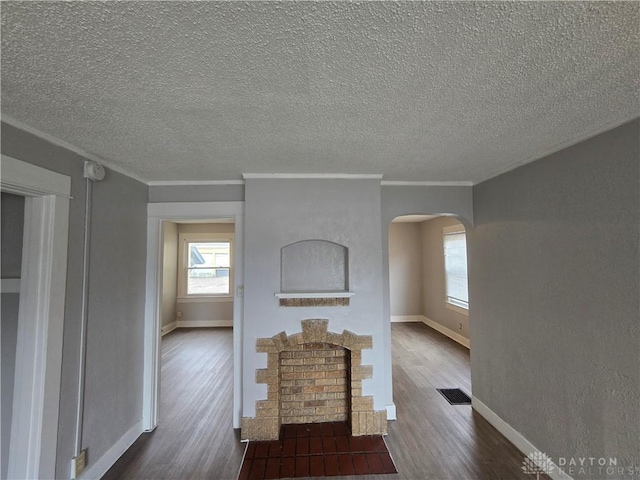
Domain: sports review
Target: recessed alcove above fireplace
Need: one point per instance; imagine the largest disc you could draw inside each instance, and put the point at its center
(314, 273)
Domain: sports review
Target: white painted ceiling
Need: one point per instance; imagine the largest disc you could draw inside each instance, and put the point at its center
(417, 91)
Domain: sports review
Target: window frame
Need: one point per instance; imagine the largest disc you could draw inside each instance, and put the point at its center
(183, 266)
(451, 230)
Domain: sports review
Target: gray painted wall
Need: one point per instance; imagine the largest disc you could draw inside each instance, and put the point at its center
(414, 200)
(314, 266)
(12, 218)
(206, 311)
(11, 234)
(9, 334)
(169, 272)
(196, 193)
(434, 305)
(405, 269)
(116, 304)
(279, 212)
(554, 275)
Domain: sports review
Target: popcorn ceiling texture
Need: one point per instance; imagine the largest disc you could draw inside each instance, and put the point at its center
(415, 91)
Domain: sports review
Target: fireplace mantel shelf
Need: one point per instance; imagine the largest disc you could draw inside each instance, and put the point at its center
(314, 294)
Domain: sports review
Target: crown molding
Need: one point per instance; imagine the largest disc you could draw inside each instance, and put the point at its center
(312, 176)
(558, 147)
(390, 183)
(170, 183)
(68, 146)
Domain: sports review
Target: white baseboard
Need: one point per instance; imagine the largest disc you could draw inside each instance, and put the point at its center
(406, 318)
(169, 328)
(448, 332)
(104, 463)
(204, 323)
(515, 437)
(391, 411)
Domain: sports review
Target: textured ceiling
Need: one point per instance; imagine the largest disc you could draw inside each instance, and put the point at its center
(419, 91)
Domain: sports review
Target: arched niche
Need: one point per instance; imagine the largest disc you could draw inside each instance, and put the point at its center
(314, 266)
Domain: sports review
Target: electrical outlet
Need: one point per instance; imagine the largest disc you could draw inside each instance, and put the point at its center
(78, 464)
(179, 314)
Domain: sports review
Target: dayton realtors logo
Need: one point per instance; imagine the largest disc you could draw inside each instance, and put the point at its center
(598, 467)
(536, 463)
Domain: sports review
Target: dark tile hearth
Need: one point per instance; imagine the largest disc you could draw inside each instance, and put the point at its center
(316, 450)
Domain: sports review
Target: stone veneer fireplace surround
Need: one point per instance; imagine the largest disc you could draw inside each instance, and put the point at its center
(362, 418)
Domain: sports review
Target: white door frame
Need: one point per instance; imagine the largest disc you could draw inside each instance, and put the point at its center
(36, 397)
(156, 214)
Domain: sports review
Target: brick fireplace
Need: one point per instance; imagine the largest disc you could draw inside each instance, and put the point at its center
(313, 384)
(314, 376)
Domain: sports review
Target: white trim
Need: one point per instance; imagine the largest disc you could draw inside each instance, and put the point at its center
(393, 183)
(204, 323)
(452, 229)
(391, 411)
(175, 183)
(456, 308)
(169, 328)
(205, 299)
(10, 285)
(156, 213)
(464, 341)
(61, 143)
(152, 323)
(313, 176)
(104, 463)
(515, 437)
(36, 399)
(406, 318)
(314, 294)
(32, 180)
(557, 148)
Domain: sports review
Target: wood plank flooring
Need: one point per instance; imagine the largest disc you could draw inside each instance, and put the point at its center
(195, 438)
(431, 439)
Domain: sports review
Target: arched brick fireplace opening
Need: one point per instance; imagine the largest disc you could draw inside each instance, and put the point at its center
(329, 367)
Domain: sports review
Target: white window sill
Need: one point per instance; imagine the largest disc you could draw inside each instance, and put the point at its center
(455, 308)
(204, 299)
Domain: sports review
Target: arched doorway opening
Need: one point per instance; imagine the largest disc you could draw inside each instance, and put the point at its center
(430, 342)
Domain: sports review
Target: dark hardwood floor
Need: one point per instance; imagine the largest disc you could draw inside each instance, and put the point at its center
(195, 438)
(431, 439)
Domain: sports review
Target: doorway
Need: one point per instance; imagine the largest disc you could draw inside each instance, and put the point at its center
(198, 274)
(229, 213)
(40, 317)
(428, 279)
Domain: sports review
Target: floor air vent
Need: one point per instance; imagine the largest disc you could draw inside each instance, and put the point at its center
(455, 396)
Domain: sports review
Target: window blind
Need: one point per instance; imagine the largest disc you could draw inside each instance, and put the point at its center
(455, 265)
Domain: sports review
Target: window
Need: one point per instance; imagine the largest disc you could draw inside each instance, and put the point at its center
(455, 267)
(205, 265)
